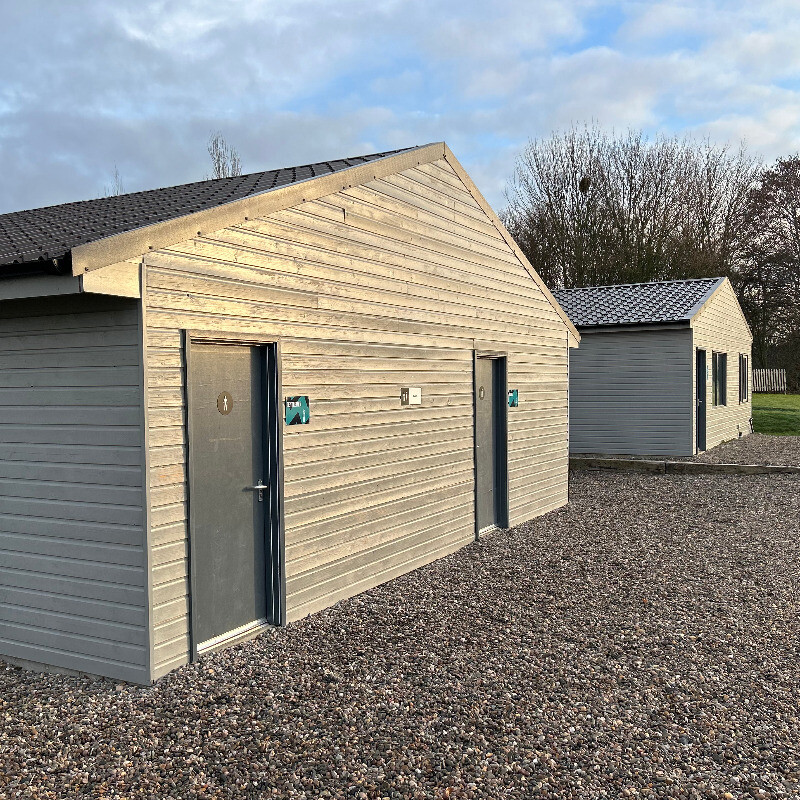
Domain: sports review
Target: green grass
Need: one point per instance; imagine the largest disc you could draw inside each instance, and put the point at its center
(777, 414)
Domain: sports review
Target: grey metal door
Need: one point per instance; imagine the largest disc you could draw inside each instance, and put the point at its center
(228, 516)
(485, 444)
(700, 401)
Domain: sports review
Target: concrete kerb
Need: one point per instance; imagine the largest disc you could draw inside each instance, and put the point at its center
(680, 467)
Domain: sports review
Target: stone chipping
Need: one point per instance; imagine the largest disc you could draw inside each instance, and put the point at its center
(756, 448)
(642, 642)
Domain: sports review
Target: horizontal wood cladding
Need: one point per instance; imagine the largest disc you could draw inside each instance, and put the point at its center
(72, 558)
(393, 283)
(720, 327)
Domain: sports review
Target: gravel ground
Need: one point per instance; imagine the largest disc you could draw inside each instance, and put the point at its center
(642, 642)
(757, 448)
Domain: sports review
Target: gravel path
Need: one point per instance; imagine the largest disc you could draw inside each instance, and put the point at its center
(757, 448)
(643, 642)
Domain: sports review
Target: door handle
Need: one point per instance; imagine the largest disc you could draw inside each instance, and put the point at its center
(259, 487)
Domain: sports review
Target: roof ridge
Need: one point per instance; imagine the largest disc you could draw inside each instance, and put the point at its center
(642, 283)
(276, 170)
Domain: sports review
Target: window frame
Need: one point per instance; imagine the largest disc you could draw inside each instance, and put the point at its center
(719, 378)
(744, 377)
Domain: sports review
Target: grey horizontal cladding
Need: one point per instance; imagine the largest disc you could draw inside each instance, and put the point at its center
(111, 592)
(74, 624)
(57, 358)
(631, 392)
(120, 436)
(74, 605)
(126, 496)
(103, 475)
(75, 417)
(44, 564)
(69, 453)
(82, 644)
(88, 378)
(97, 553)
(83, 511)
(72, 559)
(77, 343)
(70, 396)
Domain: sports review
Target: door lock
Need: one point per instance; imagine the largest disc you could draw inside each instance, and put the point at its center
(260, 487)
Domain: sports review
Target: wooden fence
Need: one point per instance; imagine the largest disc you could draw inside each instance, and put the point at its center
(769, 380)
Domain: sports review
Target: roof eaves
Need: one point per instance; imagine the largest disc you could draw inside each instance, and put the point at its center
(509, 240)
(620, 326)
(133, 243)
(694, 310)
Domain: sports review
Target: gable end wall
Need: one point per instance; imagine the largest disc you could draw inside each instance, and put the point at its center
(392, 283)
(720, 327)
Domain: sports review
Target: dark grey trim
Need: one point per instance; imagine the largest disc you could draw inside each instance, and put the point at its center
(57, 265)
(146, 525)
(503, 514)
(475, 441)
(190, 516)
(279, 524)
(276, 533)
(704, 299)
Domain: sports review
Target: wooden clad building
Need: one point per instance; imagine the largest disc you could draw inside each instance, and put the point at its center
(663, 368)
(229, 404)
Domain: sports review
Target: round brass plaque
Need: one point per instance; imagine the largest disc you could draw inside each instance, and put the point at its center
(224, 403)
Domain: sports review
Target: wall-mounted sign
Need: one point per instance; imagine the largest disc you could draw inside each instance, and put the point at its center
(411, 396)
(297, 409)
(225, 403)
(513, 398)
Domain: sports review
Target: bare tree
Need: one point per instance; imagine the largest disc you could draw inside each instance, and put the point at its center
(768, 277)
(588, 207)
(225, 161)
(115, 188)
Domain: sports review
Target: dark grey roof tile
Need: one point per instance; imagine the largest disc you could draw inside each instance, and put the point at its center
(44, 234)
(635, 303)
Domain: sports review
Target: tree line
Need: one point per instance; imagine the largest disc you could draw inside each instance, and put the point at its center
(588, 208)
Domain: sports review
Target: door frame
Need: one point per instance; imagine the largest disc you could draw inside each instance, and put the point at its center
(501, 430)
(698, 382)
(274, 533)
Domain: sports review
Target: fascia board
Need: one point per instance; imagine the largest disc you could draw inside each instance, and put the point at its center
(588, 330)
(698, 310)
(509, 239)
(138, 242)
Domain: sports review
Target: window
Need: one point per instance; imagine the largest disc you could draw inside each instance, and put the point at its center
(744, 378)
(719, 378)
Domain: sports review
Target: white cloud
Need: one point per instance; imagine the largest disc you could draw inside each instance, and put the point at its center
(142, 84)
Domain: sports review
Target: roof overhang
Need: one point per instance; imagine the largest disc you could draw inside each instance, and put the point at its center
(135, 243)
(113, 254)
(701, 307)
(119, 280)
(637, 326)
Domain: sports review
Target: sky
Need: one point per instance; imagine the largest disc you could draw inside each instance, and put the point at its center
(88, 86)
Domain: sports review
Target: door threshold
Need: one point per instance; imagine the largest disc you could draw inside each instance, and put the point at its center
(488, 529)
(237, 635)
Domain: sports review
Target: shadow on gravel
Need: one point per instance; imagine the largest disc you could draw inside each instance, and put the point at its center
(641, 642)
